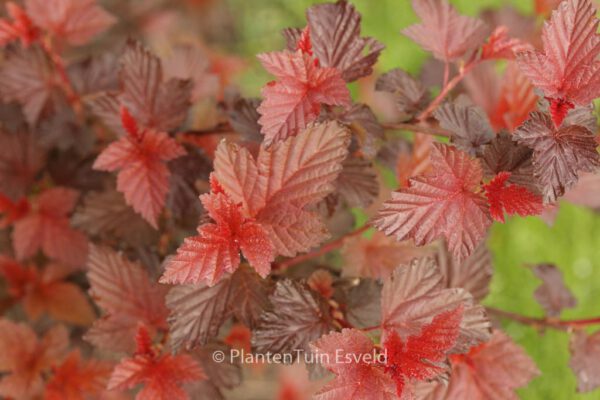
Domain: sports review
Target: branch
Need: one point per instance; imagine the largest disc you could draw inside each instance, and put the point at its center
(544, 322)
(447, 88)
(331, 246)
(428, 130)
(59, 64)
(220, 129)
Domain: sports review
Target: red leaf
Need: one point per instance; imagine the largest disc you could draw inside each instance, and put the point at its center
(47, 227)
(76, 21)
(512, 199)
(24, 358)
(161, 375)
(444, 32)
(126, 295)
(422, 356)
(444, 202)
(501, 46)
(516, 100)
(416, 293)
(140, 158)
(357, 379)
(21, 26)
(13, 211)
(492, 370)
(20, 160)
(216, 249)
(284, 181)
(559, 155)
(294, 101)
(77, 379)
(567, 71)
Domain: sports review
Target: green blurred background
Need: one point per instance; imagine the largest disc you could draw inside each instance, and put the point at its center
(573, 242)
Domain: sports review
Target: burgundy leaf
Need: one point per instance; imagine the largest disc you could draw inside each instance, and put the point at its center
(105, 215)
(585, 353)
(558, 154)
(552, 294)
(473, 274)
(336, 40)
(504, 154)
(20, 160)
(28, 77)
(410, 95)
(298, 317)
(357, 183)
(197, 312)
(468, 124)
(367, 132)
(126, 295)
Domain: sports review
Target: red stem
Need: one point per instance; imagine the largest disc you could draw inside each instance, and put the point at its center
(447, 88)
(544, 322)
(59, 65)
(446, 73)
(331, 246)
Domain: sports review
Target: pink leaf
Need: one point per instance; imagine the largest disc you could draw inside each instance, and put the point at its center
(216, 250)
(47, 227)
(294, 101)
(76, 21)
(444, 202)
(444, 32)
(143, 175)
(567, 71)
(492, 370)
(286, 178)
